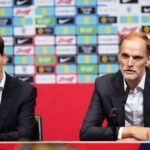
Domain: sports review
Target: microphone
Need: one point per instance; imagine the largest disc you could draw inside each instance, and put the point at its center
(126, 95)
(114, 112)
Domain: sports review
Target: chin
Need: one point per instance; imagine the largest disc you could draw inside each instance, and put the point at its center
(130, 76)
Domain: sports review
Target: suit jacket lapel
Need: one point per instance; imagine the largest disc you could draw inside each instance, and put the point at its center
(146, 102)
(6, 101)
(117, 97)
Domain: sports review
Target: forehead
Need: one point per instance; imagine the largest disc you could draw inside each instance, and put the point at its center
(134, 46)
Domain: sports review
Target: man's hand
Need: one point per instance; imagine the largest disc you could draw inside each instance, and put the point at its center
(139, 133)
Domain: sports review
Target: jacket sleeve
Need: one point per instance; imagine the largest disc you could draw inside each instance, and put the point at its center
(25, 120)
(92, 129)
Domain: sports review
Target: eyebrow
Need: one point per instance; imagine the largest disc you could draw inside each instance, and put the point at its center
(135, 57)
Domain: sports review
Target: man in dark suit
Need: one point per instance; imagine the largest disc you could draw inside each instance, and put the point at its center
(127, 111)
(17, 103)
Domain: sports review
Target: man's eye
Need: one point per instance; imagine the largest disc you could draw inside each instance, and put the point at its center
(137, 58)
(125, 56)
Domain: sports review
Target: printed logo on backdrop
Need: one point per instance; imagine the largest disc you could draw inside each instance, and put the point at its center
(145, 9)
(110, 9)
(44, 50)
(107, 2)
(87, 49)
(44, 2)
(86, 40)
(68, 79)
(6, 3)
(66, 69)
(125, 30)
(10, 60)
(65, 40)
(24, 69)
(44, 40)
(87, 59)
(87, 69)
(8, 40)
(6, 12)
(64, 2)
(45, 69)
(89, 78)
(108, 68)
(146, 29)
(108, 49)
(108, 29)
(47, 60)
(24, 31)
(127, 10)
(5, 21)
(86, 30)
(65, 11)
(65, 30)
(23, 2)
(45, 79)
(86, 10)
(107, 19)
(108, 59)
(86, 20)
(9, 50)
(129, 19)
(44, 21)
(45, 31)
(25, 12)
(6, 31)
(23, 50)
(44, 11)
(66, 59)
(62, 21)
(128, 1)
(25, 78)
(144, 2)
(66, 50)
(23, 40)
(108, 39)
(23, 60)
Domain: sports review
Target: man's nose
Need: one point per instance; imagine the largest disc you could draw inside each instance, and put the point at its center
(130, 62)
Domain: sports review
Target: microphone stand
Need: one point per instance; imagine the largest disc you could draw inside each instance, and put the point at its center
(113, 116)
(114, 113)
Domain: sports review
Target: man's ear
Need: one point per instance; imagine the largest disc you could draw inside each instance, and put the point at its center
(4, 57)
(148, 61)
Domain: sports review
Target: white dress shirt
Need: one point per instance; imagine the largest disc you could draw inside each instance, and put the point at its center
(134, 106)
(2, 84)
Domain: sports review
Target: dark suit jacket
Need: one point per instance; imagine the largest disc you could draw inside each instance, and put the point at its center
(108, 94)
(17, 110)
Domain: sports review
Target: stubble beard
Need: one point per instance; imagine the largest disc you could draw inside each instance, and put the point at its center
(129, 76)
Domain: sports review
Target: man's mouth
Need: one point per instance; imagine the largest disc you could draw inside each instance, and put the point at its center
(129, 71)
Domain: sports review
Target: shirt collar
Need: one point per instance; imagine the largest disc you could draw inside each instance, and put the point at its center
(2, 83)
(140, 85)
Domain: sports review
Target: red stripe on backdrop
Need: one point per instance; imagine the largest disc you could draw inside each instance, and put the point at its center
(102, 146)
(81, 146)
(63, 108)
(9, 146)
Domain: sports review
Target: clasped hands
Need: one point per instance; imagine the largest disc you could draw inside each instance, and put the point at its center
(134, 133)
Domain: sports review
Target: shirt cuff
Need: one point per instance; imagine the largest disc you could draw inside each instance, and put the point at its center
(120, 133)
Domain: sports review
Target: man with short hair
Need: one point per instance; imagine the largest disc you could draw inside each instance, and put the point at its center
(17, 103)
(130, 119)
